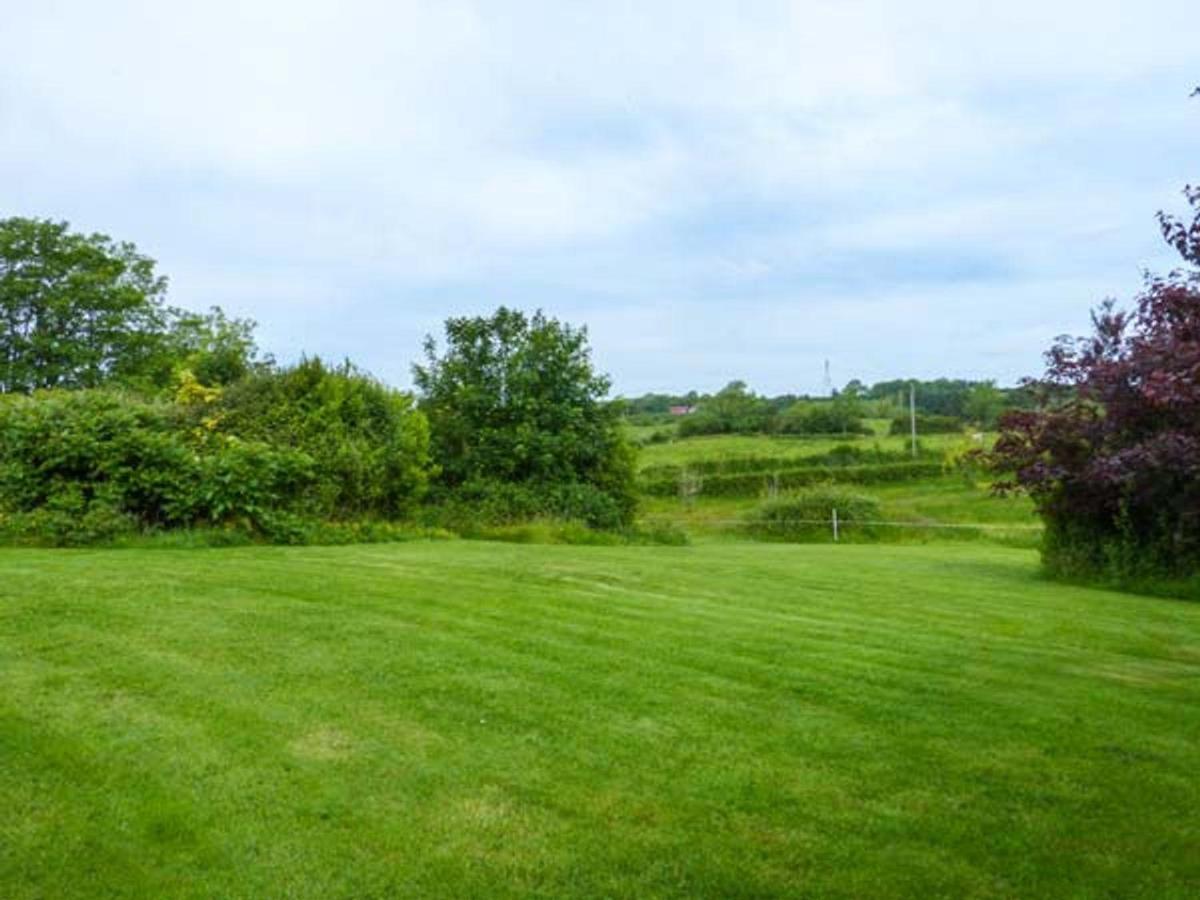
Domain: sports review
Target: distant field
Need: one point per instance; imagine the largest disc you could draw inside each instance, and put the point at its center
(736, 445)
(462, 719)
(921, 508)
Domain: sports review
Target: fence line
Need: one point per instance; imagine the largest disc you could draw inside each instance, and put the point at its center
(842, 524)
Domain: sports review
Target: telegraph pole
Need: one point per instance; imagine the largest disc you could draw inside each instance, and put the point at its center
(912, 416)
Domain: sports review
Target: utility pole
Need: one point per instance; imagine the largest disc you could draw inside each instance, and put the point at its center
(912, 416)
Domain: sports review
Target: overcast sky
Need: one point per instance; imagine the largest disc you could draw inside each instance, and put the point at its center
(718, 190)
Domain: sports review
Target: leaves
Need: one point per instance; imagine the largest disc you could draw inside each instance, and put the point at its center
(1112, 457)
(515, 399)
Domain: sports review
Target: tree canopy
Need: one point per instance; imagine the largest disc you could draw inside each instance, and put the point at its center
(1112, 456)
(83, 311)
(515, 399)
(75, 310)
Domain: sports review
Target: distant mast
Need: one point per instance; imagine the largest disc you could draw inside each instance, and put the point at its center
(828, 380)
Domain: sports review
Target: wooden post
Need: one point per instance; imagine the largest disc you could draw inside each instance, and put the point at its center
(835, 525)
(912, 416)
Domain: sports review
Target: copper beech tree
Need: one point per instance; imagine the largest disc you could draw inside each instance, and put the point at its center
(1111, 456)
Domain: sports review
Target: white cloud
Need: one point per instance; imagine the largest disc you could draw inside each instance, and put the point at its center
(397, 160)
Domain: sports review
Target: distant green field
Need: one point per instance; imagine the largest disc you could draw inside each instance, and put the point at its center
(926, 509)
(462, 719)
(727, 446)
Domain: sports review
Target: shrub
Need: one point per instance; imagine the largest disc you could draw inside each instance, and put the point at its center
(806, 515)
(482, 502)
(831, 417)
(369, 446)
(83, 466)
(926, 424)
(1111, 456)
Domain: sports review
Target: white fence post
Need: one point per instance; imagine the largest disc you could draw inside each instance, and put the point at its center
(835, 525)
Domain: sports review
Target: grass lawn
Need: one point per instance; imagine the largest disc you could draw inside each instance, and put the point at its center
(464, 719)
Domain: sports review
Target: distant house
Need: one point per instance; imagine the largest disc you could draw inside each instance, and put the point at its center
(682, 410)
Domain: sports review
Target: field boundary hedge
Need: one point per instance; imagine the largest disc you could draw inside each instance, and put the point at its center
(752, 484)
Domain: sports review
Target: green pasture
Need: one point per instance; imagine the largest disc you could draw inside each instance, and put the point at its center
(462, 719)
(733, 446)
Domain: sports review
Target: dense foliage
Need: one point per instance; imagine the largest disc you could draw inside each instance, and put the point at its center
(269, 455)
(82, 311)
(841, 415)
(77, 466)
(519, 419)
(75, 310)
(368, 443)
(1112, 456)
(807, 515)
(735, 409)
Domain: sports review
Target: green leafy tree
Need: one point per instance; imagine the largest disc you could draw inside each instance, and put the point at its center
(735, 409)
(75, 310)
(215, 348)
(984, 404)
(515, 399)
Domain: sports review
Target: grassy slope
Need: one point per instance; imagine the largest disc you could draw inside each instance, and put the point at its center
(948, 500)
(463, 719)
(731, 446)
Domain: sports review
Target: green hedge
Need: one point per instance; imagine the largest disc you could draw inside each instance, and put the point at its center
(840, 456)
(83, 466)
(753, 484)
(806, 515)
(927, 424)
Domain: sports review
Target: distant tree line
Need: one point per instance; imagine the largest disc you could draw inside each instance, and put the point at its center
(943, 405)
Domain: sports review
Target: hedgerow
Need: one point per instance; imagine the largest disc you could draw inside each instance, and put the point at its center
(752, 484)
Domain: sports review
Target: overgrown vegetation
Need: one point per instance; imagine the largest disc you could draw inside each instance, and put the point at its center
(122, 415)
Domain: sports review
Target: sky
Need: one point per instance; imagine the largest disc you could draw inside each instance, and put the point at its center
(717, 190)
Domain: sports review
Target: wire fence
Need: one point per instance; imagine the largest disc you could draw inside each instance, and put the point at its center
(836, 525)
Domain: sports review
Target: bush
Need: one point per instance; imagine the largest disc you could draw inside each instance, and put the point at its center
(483, 502)
(830, 417)
(369, 446)
(926, 424)
(807, 515)
(1111, 454)
(84, 466)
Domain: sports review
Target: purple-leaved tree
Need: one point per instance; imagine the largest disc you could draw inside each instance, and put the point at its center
(1111, 456)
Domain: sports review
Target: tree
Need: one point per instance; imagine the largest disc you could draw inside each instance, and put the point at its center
(1112, 454)
(514, 399)
(215, 348)
(983, 404)
(735, 409)
(75, 310)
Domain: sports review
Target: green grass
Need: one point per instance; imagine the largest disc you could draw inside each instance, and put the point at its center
(732, 446)
(920, 507)
(465, 719)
